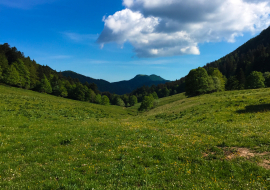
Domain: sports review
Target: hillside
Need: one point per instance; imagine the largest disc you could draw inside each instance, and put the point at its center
(251, 56)
(216, 141)
(121, 87)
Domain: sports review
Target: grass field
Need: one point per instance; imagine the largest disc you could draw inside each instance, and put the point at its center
(217, 141)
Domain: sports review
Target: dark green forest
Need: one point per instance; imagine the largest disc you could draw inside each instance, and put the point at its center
(246, 68)
(121, 87)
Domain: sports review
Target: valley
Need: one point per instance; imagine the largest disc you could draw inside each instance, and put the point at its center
(49, 142)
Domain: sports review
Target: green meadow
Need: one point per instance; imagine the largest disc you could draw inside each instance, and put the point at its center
(215, 141)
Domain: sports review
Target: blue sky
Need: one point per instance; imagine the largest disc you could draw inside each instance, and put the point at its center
(69, 35)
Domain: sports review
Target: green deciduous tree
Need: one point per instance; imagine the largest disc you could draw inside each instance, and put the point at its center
(242, 79)
(12, 76)
(232, 83)
(3, 62)
(220, 83)
(98, 99)
(133, 100)
(45, 85)
(155, 96)
(59, 89)
(165, 92)
(267, 79)
(147, 103)
(23, 72)
(197, 82)
(105, 100)
(255, 80)
(120, 102)
(90, 95)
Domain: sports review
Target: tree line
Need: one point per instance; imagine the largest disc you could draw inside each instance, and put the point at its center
(245, 68)
(20, 71)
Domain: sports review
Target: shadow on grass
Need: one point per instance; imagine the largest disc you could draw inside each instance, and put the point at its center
(255, 109)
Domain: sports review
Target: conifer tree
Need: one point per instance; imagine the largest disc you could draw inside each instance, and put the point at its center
(267, 79)
(1, 74)
(242, 79)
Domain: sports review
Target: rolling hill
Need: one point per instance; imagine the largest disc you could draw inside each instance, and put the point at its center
(214, 141)
(121, 87)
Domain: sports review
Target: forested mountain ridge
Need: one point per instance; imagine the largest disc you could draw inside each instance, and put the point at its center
(254, 55)
(121, 87)
(245, 68)
(237, 67)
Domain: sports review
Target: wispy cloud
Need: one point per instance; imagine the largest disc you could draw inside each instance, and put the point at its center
(24, 4)
(151, 62)
(60, 57)
(80, 38)
(54, 57)
(135, 62)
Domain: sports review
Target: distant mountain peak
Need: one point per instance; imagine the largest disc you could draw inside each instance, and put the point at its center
(140, 75)
(121, 87)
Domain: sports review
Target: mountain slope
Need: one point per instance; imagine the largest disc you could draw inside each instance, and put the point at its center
(251, 56)
(121, 87)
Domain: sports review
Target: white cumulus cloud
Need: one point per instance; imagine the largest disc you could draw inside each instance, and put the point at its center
(158, 28)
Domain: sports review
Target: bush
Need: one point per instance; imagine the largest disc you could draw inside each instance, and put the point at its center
(147, 103)
(105, 100)
(255, 80)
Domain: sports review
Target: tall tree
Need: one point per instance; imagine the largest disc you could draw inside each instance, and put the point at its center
(255, 80)
(45, 85)
(147, 103)
(12, 76)
(242, 79)
(267, 79)
(120, 102)
(1, 71)
(155, 96)
(105, 100)
(197, 82)
(220, 85)
(90, 95)
(23, 72)
(133, 100)
(98, 99)
(232, 83)
(3, 62)
(165, 92)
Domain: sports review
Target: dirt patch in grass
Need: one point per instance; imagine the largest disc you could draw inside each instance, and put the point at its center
(238, 152)
(242, 152)
(265, 164)
(235, 152)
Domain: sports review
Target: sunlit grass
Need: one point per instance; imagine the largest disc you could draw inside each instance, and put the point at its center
(54, 143)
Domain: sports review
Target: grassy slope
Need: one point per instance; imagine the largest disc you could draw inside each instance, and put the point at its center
(54, 143)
